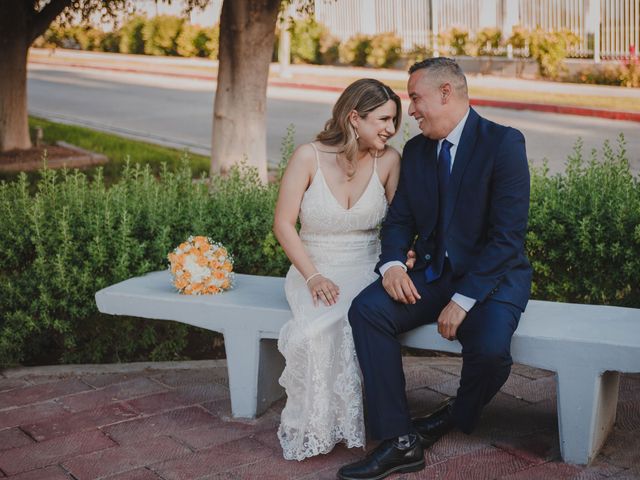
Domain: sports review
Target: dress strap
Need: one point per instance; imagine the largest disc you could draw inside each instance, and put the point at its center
(375, 162)
(317, 155)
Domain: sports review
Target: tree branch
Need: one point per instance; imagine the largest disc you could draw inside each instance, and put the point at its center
(41, 20)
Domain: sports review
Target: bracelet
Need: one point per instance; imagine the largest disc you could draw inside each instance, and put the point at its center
(311, 276)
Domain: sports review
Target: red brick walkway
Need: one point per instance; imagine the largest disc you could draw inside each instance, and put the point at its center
(172, 421)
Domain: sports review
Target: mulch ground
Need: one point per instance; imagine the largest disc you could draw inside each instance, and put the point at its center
(57, 156)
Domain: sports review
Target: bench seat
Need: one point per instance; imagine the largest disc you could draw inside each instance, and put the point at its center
(586, 345)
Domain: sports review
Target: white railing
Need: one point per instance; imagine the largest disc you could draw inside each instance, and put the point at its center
(605, 27)
(556, 15)
(620, 27)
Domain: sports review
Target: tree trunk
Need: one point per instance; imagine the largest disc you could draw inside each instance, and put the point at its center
(247, 34)
(14, 44)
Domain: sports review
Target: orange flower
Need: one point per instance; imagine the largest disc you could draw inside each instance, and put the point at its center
(206, 254)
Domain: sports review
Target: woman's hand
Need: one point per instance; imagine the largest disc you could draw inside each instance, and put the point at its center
(411, 259)
(323, 289)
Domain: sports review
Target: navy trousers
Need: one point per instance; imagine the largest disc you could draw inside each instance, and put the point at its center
(377, 320)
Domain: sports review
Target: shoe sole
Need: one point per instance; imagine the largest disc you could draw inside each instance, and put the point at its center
(412, 467)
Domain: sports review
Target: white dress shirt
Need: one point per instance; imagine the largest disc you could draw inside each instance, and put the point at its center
(463, 301)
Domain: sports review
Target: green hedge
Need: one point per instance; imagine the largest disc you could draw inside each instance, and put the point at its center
(74, 236)
(385, 50)
(131, 36)
(355, 50)
(160, 35)
(584, 230)
(306, 35)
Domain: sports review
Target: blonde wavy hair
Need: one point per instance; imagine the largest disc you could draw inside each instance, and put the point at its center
(363, 96)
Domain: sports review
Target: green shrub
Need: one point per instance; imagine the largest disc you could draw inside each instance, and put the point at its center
(385, 50)
(550, 49)
(75, 236)
(630, 72)
(213, 42)
(418, 53)
(75, 37)
(306, 34)
(456, 39)
(195, 41)
(161, 35)
(601, 75)
(110, 42)
(131, 37)
(519, 37)
(355, 50)
(88, 38)
(329, 49)
(50, 38)
(584, 231)
(488, 40)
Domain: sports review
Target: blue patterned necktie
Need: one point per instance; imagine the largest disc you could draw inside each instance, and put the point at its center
(434, 270)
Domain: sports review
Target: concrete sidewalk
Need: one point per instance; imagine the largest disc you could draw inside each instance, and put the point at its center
(172, 421)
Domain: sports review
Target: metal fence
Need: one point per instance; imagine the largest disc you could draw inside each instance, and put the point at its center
(605, 28)
(620, 27)
(554, 15)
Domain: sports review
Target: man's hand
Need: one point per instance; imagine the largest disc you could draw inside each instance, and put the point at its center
(399, 286)
(450, 319)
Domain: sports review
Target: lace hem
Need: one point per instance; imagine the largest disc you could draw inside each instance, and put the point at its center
(291, 439)
(324, 389)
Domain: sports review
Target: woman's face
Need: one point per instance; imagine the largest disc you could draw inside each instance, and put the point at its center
(377, 127)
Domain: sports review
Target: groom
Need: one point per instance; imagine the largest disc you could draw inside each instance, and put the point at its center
(462, 204)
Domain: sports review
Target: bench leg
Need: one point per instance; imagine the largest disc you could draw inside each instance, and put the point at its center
(269, 371)
(254, 366)
(587, 403)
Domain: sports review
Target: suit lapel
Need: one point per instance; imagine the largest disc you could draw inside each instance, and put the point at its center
(464, 154)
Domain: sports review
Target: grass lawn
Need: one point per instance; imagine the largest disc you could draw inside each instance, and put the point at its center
(117, 149)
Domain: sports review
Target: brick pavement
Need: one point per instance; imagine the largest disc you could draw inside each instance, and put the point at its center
(172, 421)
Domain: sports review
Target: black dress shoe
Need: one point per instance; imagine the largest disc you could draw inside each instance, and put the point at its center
(436, 424)
(384, 460)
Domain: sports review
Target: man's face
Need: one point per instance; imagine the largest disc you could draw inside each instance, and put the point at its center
(427, 105)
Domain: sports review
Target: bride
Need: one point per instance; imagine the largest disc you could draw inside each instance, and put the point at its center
(339, 187)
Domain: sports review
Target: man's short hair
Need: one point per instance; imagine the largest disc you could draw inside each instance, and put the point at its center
(444, 70)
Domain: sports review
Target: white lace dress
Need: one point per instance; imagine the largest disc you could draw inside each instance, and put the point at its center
(322, 376)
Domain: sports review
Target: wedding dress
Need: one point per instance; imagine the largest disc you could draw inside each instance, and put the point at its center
(322, 377)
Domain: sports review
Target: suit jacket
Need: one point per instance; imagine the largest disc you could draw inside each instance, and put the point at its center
(486, 217)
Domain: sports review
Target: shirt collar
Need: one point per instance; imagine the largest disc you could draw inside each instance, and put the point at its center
(456, 133)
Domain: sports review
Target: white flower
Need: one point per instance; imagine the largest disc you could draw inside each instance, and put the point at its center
(198, 273)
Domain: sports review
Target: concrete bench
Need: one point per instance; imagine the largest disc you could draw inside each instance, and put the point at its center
(586, 345)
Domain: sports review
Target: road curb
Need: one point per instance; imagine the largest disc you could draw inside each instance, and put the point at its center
(481, 102)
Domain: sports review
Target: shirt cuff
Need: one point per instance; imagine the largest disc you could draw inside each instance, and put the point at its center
(466, 303)
(390, 264)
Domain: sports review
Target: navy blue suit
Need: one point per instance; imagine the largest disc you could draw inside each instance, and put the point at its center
(484, 223)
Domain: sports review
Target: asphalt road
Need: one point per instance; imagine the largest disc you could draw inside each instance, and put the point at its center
(179, 112)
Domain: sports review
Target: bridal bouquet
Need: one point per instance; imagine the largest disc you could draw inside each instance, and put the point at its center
(201, 266)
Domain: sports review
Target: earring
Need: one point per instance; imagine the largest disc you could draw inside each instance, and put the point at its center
(356, 132)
